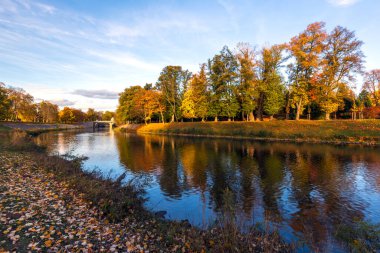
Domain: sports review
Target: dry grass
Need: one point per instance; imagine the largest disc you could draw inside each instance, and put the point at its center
(341, 131)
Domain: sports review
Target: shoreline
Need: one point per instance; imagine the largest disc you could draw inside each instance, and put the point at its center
(314, 132)
(264, 139)
(95, 213)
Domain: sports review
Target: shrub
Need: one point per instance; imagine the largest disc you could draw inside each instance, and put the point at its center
(372, 112)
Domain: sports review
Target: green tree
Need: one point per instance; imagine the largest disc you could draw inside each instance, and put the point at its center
(172, 83)
(342, 59)
(271, 87)
(247, 80)
(126, 110)
(223, 80)
(365, 98)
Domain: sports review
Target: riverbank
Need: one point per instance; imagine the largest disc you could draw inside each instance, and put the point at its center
(366, 132)
(51, 204)
(38, 128)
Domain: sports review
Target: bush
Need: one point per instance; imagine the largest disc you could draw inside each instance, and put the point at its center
(372, 112)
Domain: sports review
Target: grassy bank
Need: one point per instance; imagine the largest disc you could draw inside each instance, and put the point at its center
(334, 131)
(38, 128)
(51, 204)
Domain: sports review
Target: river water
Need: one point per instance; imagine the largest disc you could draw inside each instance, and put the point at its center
(306, 191)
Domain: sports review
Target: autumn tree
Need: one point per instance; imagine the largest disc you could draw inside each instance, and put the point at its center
(92, 115)
(342, 59)
(195, 101)
(306, 50)
(4, 102)
(66, 115)
(172, 83)
(270, 85)
(71, 115)
(148, 101)
(22, 105)
(247, 80)
(107, 115)
(223, 80)
(188, 104)
(372, 85)
(47, 112)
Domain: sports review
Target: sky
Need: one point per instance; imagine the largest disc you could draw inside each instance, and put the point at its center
(82, 53)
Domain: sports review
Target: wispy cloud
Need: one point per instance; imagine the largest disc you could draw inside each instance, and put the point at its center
(68, 46)
(63, 102)
(343, 2)
(125, 59)
(101, 94)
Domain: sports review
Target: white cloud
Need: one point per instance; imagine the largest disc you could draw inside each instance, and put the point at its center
(343, 2)
(126, 59)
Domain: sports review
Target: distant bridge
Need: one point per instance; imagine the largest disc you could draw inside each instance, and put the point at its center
(98, 123)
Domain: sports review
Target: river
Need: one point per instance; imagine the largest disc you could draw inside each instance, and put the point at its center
(306, 191)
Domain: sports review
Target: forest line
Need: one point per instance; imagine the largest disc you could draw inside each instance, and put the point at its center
(313, 76)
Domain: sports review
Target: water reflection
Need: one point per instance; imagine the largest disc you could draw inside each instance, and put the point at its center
(306, 189)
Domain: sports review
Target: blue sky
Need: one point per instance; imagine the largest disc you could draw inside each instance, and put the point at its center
(81, 53)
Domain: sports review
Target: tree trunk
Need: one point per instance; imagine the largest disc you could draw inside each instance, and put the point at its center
(327, 116)
(162, 117)
(299, 104)
(260, 107)
(216, 119)
(251, 117)
(287, 107)
(271, 117)
(172, 120)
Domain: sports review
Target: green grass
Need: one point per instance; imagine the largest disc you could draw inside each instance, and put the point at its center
(337, 131)
(360, 236)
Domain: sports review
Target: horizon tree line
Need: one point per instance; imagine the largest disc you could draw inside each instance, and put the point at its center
(18, 105)
(314, 73)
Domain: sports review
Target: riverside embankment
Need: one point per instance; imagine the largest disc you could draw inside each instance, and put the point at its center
(366, 132)
(36, 128)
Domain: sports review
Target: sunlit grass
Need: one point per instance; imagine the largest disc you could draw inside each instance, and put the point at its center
(334, 130)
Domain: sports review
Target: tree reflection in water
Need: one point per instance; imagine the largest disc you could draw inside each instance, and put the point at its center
(308, 190)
